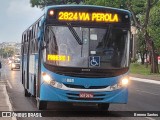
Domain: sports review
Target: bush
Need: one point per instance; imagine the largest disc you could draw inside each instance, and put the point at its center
(134, 60)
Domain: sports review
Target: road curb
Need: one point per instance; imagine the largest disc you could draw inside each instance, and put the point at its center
(145, 80)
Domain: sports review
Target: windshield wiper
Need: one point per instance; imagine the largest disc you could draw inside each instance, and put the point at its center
(106, 36)
(74, 33)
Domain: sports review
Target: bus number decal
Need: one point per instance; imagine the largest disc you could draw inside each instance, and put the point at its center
(68, 16)
(74, 16)
(61, 16)
(70, 80)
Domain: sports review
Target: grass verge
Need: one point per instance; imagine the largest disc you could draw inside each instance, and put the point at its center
(136, 68)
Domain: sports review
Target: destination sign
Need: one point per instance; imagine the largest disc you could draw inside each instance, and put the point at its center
(51, 57)
(88, 17)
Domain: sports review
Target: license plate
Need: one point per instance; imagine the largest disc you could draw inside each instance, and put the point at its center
(86, 95)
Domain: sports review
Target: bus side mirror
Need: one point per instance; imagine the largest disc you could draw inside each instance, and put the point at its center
(0, 65)
(43, 47)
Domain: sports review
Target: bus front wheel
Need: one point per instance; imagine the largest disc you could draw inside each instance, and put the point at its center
(26, 93)
(41, 105)
(103, 106)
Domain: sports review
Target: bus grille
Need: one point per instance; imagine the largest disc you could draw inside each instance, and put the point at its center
(83, 87)
(17, 65)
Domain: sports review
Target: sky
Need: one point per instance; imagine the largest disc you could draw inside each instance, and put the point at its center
(15, 17)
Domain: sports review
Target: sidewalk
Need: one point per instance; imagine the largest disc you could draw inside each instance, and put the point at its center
(5, 104)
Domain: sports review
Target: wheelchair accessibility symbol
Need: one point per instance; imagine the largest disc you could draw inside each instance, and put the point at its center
(94, 61)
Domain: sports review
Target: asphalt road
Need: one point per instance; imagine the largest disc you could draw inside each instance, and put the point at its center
(142, 97)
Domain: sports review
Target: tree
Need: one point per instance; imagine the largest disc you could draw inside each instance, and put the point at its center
(7, 52)
(142, 22)
(110, 3)
(141, 47)
(154, 26)
(43, 3)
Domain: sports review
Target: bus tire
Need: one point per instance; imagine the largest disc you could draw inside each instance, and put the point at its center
(26, 93)
(41, 105)
(103, 106)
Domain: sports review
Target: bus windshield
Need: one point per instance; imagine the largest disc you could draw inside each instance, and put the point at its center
(104, 48)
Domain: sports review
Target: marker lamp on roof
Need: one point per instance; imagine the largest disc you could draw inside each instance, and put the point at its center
(51, 12)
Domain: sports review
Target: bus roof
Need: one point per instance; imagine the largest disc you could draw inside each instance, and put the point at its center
(86, 6)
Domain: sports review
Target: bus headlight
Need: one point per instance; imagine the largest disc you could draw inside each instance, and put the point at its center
(13, 65)
(124, 81)
(10, 61)
(46, 78)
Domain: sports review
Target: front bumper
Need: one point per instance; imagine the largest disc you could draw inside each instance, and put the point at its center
(49, 93)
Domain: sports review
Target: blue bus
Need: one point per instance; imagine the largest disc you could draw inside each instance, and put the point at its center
(77, 54)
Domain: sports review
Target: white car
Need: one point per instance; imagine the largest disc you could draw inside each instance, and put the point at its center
(15, 64)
